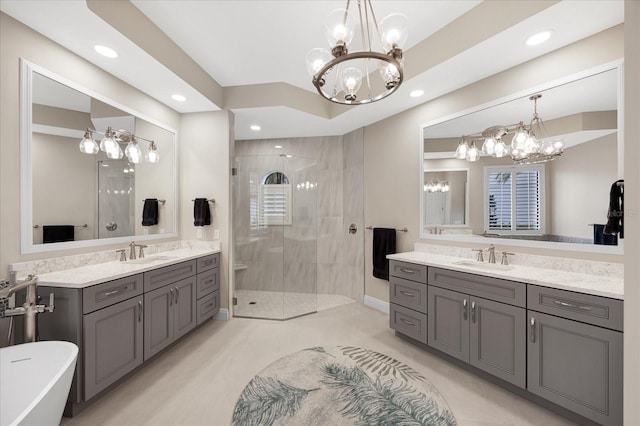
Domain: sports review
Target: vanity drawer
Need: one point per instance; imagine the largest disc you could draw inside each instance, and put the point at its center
(102, 295)
(207, 307)
(587, 308)
(408, 271)
(505, 291)
(409, 294)
(408, 322)
(169, 274)
(207, 282)
(208, 262)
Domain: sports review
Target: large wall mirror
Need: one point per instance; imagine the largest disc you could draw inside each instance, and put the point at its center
(71, 198)
(570, 193)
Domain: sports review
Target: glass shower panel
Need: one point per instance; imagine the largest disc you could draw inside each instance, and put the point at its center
(274, 270)
(116, 198)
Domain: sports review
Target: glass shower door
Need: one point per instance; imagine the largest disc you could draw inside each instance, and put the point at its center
(116, 197)
(275, 238)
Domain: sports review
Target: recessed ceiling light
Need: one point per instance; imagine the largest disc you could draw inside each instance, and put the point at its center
(105, 51)
(416, 93)
(178, 98)
(255, 127)
(278, 147)
(539, 37)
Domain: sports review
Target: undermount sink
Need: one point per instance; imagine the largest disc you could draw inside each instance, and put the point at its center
(486, 266)
(151, 259)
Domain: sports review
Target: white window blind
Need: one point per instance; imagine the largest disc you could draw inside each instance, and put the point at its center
(514, 198)
(275, 206)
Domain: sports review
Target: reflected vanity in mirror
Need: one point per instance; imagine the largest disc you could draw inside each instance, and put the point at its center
(81, 194)
(553, 203)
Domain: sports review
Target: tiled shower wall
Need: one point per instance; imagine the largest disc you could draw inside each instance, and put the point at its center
(339, 202)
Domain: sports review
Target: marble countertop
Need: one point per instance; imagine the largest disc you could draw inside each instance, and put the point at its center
(86, 276)
(583, 283)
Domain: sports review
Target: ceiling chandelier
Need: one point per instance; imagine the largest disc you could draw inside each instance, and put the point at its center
(339, 75)
(529, 142)
(111, 142)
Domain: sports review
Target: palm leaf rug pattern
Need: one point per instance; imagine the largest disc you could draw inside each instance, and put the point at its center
(342, 385)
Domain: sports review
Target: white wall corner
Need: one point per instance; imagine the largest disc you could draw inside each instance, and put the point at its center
(377, 304)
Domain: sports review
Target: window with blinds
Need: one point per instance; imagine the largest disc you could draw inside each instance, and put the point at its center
(275, 200)
(514, 198)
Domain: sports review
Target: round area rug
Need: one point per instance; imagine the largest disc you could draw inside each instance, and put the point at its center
(340, 385)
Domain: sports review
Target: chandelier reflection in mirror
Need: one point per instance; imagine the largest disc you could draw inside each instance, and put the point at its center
(339, 75)
(111, 142)
(529, 144)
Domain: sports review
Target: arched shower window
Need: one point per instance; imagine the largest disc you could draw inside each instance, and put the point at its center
(275, 199)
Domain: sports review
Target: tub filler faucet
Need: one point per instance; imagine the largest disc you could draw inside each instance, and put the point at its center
(29, 309)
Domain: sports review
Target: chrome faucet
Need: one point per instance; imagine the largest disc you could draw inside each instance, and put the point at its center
(132, 250)
(29, 308)
(492, 253)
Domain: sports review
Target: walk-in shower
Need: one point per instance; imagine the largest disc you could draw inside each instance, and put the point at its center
(275, 236)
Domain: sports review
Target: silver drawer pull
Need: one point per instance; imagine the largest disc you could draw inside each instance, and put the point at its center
(177, 294)
(533, 330)
(140, 307)
(407, 322)
(120, 290)
(571, 305)
(473, 312)
(406, 293)
(408, 271)
(464, 309)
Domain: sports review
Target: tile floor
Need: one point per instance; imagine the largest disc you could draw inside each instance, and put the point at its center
(282, 305)
(198, 380)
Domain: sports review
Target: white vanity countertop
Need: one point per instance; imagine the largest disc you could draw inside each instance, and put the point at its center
(572, 281)
(86, 276)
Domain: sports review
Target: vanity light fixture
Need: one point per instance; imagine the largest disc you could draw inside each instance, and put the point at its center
(111, 142)
(529, 142)
(178, 98)
(338, 75)
(105, 51)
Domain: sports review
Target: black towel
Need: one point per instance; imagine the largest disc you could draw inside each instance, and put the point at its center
(150, 212)
(201, 212)
(599, 237)
(615, 215)
(57, 233)
(384, 243)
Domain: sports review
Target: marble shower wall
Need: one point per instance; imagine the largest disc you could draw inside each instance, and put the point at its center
(338, 198)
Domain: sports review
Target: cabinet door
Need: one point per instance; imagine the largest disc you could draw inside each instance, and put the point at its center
(498, 340)
(448, 319)
(113, 344)
(184, 306)
(577, 366)
(159, 330)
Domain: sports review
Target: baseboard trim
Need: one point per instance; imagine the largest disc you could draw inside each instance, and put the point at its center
(222, 315)
(377, 304)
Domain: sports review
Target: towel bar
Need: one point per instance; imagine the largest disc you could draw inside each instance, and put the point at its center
(211, 200)
(160, 201)
(75, 226)
(399, 230)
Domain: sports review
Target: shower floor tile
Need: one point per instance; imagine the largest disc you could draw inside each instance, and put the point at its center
(279, 305)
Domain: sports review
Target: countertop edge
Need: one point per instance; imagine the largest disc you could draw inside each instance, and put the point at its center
(421, 259)
(45, 280)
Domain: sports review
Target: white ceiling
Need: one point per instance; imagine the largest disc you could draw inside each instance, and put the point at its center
(242, 42)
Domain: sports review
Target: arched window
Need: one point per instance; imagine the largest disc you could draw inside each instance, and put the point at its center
(275, 199)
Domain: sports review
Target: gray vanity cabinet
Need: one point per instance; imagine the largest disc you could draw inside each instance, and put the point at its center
(488, 334)
(113, 344)
(574, 361)
(170, 312)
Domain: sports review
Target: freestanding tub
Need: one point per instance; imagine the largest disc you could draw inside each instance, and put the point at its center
(35, 379)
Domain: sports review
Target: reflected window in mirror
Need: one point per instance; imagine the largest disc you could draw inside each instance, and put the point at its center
(573, 195)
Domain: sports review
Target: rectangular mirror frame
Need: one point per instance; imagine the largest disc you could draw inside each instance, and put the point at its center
(619, 249)
(26, 183)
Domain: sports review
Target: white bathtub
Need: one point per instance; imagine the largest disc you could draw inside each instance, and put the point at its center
(35, 379)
